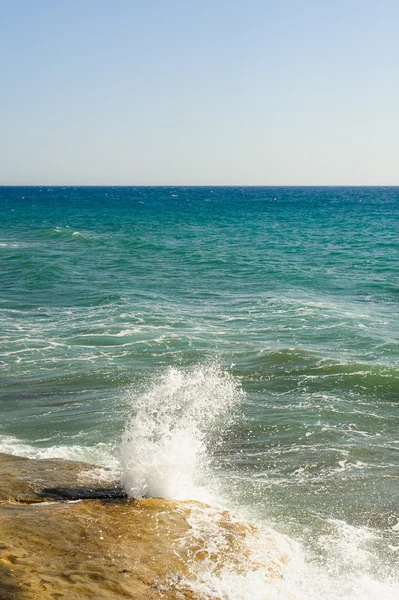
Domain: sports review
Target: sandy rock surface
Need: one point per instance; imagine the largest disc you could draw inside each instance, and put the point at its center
(98, 549)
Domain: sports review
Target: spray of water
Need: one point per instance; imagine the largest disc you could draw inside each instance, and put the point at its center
(165, 447)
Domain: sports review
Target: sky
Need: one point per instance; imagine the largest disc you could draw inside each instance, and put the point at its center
(173, 92)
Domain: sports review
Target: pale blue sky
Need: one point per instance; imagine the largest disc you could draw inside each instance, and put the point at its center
(279, 92)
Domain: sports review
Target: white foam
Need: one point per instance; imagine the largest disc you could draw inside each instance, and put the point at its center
(237, 561)
(271, 566)
(100, 454)
(15, 245)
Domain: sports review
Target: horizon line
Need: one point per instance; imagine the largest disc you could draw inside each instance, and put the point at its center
(193, 185)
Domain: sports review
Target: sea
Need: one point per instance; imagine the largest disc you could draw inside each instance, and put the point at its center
(234, 345)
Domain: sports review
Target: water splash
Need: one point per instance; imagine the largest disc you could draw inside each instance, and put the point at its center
(165, 447)
(233, 559)
(263, 564)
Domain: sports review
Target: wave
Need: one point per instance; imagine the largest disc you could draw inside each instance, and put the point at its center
(308, 368)
(65, 233)
(178, 422)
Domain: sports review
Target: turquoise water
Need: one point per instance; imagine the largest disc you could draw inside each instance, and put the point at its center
(264, 321)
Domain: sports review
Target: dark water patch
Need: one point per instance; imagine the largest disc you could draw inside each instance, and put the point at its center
(275, 361)
(67, 381)
(289, 369)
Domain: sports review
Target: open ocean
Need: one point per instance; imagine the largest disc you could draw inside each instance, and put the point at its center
(235, 345)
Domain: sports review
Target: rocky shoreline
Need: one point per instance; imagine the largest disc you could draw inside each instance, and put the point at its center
(65, 532)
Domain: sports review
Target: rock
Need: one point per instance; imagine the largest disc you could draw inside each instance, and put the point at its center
(90, 550)
(106, 549)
